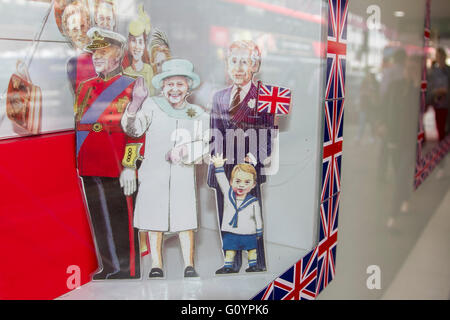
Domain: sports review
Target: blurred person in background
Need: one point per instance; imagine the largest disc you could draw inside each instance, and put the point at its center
(401, 99)
(369, 95)
(438, 90)
(393, 74)
(393, 66)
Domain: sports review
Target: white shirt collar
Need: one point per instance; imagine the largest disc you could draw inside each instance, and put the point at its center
(244, 91)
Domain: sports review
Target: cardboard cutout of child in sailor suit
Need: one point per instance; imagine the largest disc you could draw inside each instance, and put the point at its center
(242, 221)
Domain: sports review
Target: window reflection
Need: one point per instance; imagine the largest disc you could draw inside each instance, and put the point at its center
(436, 118)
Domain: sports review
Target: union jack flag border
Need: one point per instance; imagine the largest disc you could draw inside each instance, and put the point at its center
(312, 273)
(425, 163)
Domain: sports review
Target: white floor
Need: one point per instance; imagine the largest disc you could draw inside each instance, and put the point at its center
(413, 253)
(426, 272)
(209, 259)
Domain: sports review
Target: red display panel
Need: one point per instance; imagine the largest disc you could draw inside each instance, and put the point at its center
(44, 229)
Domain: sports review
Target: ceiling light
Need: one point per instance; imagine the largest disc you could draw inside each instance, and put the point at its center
(399, 14)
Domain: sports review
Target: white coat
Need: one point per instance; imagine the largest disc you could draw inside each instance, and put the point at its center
(166, 200)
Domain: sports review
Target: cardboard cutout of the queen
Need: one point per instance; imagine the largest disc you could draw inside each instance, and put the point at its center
(166, 201)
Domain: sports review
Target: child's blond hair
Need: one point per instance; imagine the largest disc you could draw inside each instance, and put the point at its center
(244, 167)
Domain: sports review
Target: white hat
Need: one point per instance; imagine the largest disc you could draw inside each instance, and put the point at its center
(101, 38)
(176, 67)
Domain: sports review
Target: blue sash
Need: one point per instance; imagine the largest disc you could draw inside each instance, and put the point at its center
(100, 104)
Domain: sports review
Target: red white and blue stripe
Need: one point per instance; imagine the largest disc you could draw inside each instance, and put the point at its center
(328, 230)
(299, 282)
(309, 276)
(334, 96)
(336, 49)
(265, 294)
(332, 148)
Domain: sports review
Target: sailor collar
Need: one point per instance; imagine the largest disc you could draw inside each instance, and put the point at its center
(249, 199)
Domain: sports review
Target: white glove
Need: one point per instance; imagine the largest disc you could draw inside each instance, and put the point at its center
(127, 181)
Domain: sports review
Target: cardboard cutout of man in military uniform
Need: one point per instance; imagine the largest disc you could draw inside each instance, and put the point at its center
(107, 157)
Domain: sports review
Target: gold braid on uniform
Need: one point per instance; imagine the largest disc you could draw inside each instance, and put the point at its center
(77, 94)
(82, 106)
(79, 109)
(132, 155)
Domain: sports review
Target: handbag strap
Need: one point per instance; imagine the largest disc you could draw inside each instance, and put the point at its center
(22, 70)
(38, 35)
(22, 67)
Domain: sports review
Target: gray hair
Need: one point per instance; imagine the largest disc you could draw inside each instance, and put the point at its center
(189, 81)
(255, 53)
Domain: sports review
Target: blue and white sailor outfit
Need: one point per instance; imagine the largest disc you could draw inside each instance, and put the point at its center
(242, 221)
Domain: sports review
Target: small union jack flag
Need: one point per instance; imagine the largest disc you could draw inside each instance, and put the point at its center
(329, 211)
(273, 99)
(299, 282)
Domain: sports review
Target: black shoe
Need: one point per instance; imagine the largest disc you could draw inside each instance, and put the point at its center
(123, 275)
(156, 273)
(190, 272)
(254, 269)
(102, 275)
(226, 270)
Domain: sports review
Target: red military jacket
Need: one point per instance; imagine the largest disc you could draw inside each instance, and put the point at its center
(103, 149)
(80, 69)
